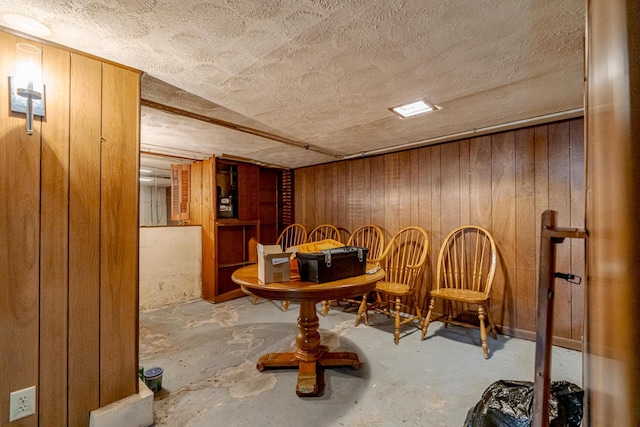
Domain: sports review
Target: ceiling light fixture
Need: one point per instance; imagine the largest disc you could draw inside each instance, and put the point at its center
(413, 108)
(26, 25)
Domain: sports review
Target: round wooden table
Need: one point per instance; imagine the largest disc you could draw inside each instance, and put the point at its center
(309, 353)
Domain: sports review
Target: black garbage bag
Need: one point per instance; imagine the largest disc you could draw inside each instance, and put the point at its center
(509, 404)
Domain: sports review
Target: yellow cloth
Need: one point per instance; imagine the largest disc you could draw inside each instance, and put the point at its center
(318, 246)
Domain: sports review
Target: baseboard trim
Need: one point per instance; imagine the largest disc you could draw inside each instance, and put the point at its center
(132, 411)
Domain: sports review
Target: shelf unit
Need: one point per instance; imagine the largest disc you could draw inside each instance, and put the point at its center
(250, 214)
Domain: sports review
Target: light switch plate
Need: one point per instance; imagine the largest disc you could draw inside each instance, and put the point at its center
(22, 403)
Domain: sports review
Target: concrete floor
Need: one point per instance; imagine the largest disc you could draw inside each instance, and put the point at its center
(208, 353)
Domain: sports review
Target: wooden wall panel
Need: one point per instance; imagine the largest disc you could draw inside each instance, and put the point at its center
(376, 196)
(54, 239)
(84, 241)
(480, 205)
(119, 221)
(404, 187)
(450, 189)
(612, 344)
(502, 182)
(51, 307)
(541, 181)
(208, 215)
(503, 226)
(465, 173)
(355, 199)
(320, 199)
(526, 227)
(19, 254)
(195, 209)
(560, 201)
(435, 232)
(248, 191)
(578, 260)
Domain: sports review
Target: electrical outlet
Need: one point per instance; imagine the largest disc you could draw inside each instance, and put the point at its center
(22, 403)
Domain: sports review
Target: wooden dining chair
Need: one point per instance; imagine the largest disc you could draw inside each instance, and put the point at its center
(465, 271)
(403, 261)
(292, 235)
(324, 231)
(366, 236)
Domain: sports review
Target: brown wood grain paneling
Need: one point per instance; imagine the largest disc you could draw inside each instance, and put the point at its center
(576, 148)
(414, 188)
(612, 342)
(541, 137)
(84, 238)
(392, 211)
(366, 197)
(560, 201)
(376, 196)
(450, 187)
(503, 226)
(465, 215)
(248, 191)
(404, 188)
(299, 196)
(424, 217)
(526, 243)
(435, 233)
(195, 209)
(480, 205)
(54, 239)
(320, 197)
(340, 204)
(119, 234)
(208, 215)
(355, 194)
(500, 182)
(19, 254)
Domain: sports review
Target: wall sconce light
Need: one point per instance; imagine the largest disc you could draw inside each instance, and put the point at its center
(27, 89)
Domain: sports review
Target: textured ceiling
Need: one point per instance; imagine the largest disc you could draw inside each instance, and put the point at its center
(296, 83)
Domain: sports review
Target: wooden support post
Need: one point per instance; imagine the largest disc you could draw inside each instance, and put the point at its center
(550, 236)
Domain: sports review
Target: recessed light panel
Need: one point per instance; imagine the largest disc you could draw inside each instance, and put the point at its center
(414, 108)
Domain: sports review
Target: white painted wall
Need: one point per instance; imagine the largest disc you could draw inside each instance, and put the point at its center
(170, 265)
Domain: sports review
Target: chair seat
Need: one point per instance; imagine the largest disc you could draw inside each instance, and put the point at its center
(393, 288)
(461, 295)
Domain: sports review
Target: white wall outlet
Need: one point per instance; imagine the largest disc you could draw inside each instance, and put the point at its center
(22, 403)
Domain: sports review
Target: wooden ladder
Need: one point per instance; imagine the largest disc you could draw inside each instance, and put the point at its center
(550, 237)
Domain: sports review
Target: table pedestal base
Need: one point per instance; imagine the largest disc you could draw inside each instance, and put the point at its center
(309, 354)
(308, 375)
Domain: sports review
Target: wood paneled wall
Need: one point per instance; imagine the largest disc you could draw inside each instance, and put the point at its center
(612, 344)
(69, 224)
(502, 182)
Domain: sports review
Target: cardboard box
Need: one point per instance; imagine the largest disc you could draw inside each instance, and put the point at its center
(332, 264)
(273, 264)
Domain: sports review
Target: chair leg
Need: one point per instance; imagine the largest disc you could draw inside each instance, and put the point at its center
(427, 320)
(285, 305)
(418, 311)
(326, 306)
(483, 332)
(396, 332)
(361, 309)
(255, 299)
